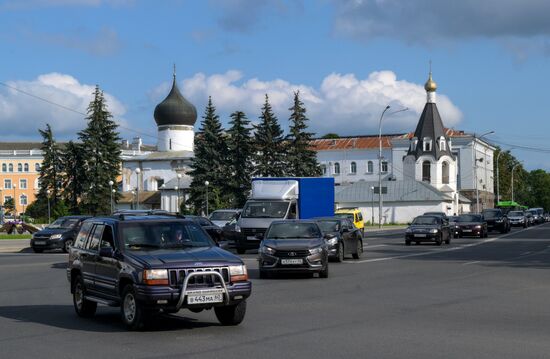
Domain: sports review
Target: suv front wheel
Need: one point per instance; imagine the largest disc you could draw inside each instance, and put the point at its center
(83, 307)
(231, 314)
(131, 311)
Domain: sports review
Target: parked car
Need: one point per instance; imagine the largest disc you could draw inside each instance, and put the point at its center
(537, 213)
(293, 246)
(472, 225)
(144, 264)
(215, 232)
(221, 217)
(428, 229)
(342, 237)
(496, 220)
(518, 219)
(354, 215)
(455, 227)
(438, 214)
(58, 235)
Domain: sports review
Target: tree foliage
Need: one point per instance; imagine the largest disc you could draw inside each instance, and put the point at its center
(51, 170)
(75, 177)
(268, 143)
(240, 152)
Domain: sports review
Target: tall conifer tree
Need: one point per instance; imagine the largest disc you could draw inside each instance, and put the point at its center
(51, 170)
(268, 144)
(301, 159)
(239, 157)
(209, 163)
(101, 143)
(74, 159)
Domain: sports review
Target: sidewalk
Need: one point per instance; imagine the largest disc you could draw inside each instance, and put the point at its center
(14, 245)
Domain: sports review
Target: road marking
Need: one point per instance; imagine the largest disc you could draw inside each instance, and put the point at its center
(525, 253)
(472, 262)
(437, 251)
(376, 245)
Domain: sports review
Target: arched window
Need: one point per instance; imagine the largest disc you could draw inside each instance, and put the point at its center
(10, 167)
(336, 168)
(370, 167)
(427, 144)
(37, 167)
(426, 171)
(26, 167)
(442, 144)
(19, 167)
(4, 167)
(353, 168)
(445, 172)
(324, 169)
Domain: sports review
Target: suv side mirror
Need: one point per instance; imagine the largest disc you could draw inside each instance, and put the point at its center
(106, 252)
(259, 236)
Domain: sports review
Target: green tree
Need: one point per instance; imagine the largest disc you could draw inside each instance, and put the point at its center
(301, 159)
(330, 136)
(269, 158)
(538, 189)
(240, 152)
(75, 178)
(9, 205)
(209, 163)
(51, 174)
(100, 142)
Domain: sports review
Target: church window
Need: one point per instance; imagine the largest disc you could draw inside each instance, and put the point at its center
(370, 167)
(427, 144)
(445, 172)
(336, 168)
(170, 145)
(426, 171)
(353, 168)
(324, 169)
(442, 144)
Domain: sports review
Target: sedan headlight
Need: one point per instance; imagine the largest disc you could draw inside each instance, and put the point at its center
(155, 277)
(332, 241)
(56, 236)
(477, 227)
(238, 273)
(434, 230)
(237, 228)
(267, 250)
(316, 250)
(499, 220)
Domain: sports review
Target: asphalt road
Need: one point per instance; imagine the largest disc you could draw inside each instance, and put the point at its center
(471, 299)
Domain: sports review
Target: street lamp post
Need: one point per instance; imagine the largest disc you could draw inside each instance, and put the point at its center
(513, 168)
(372, 205)
(177, 188)
(179, 204)
(48, 196)
(133, 198)
(14, 202)
(111, 183)
(475, 165)
(138, 171)
(206, 183)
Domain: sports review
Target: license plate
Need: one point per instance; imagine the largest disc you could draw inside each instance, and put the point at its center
(205, 296)
(292, 261)
(420, 235)
(40, 243)
(466, 230)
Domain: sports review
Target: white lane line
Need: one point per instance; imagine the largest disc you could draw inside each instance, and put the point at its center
(376, 245)
(437, 251)
(525, 253)
(472, 262)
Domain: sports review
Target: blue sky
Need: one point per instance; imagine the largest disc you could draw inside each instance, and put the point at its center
(349, 59)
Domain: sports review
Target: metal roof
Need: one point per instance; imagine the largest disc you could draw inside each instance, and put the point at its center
(398, 191)
(430, 126)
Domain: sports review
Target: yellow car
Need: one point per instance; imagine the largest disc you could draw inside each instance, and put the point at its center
(354, 215)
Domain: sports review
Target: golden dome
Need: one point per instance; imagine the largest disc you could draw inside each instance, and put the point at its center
(430, 85)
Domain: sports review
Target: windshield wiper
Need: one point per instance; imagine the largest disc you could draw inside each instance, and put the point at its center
(143, 245)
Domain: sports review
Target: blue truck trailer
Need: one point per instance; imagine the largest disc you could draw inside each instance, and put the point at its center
(277, 198)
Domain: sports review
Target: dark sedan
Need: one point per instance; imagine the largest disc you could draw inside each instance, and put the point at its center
(342, 237)
(213, 231)
(428, 229)
(472, 225)
(58, 235)
(455, 227)
(293, 246)
(496, 220)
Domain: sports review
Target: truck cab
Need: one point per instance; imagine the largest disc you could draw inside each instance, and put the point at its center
(275, 199)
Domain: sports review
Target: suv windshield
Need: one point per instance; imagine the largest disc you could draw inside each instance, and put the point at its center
(293, 231)
(515, 214)
(329, 226)
(64, 223)
(265, 209)
(491, 214)
(222, 216)
(469, 218)
(150, 235)
(345, 215)
(425, 221)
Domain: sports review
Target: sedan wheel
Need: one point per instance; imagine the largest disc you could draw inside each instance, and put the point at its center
(340, 256)
(67, 245)
(358, 250)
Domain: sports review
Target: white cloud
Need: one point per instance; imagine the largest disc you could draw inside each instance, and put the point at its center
(343, 103)
(23, 115)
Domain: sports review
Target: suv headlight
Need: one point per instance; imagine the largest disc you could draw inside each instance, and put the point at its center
(238, 273)
(56, 236)
(408, 230)
(332, 241)
(316, 250)
(155, 277)
(267, 250)
(434, 230)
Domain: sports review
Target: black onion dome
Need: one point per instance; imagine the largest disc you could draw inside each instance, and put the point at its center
(175, 109)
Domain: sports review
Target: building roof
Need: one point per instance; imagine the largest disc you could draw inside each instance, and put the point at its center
(184, 183)
(343, 143)
(145, 197)
(175, 109)
(398, 191)
(430, 126)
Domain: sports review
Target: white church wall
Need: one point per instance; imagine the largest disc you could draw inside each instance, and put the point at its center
(150, 171)
(175, 138)
(398, 212)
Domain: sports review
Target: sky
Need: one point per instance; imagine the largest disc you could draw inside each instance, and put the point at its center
(349, 59)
